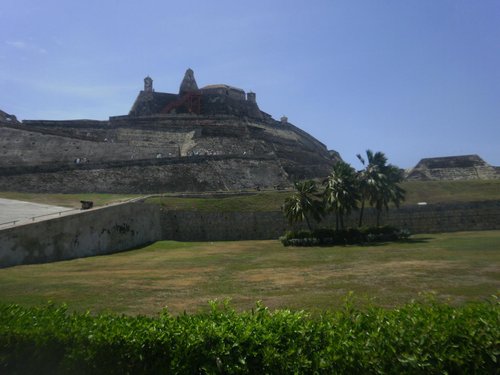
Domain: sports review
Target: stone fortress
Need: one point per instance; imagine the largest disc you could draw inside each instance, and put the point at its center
(199, 139)
(213, 138)
(209, 100)
(464, 167)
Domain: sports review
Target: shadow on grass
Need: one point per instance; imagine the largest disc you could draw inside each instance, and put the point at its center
(416, 240)
(406, 241)
(370, 244)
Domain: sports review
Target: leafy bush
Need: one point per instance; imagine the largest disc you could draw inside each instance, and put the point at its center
(421, 337)
(308, 241)
(404, 234)
(298, 234)
(351, 236)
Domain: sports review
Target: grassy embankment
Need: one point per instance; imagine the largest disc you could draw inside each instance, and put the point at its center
(417, 191)
(457, 267)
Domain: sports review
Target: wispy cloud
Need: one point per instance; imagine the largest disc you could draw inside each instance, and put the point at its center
(24, 46)
(82, 90)
(76, 89)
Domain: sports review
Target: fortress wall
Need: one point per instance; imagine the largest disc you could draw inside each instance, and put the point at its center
(22, 147)
(463, 167)
(221, 226)
(196, 173)
(225, 226)
(54, 143)
(66, 123)
(454, 174)
(80, 129)
(303, 134)
(121, 227)
(470, 173)
(161, 121)
(98, 231)
(435, 218)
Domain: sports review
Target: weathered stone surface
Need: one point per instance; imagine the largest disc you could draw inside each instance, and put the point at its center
(98, 231)
(115, 228)
(151, 176)
(188, 83)
(225, 226)
(6, 118)
(335, 155)
(209, 139)
(464, 167)
(219, 99)
(157, 153)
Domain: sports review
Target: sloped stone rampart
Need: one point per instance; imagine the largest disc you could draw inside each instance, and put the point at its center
(196, 173)
(98, 231)
(184, 152)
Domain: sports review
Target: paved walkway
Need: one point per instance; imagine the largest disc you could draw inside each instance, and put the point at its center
(12, 210)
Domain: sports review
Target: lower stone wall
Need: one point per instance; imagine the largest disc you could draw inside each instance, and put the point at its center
(103, 230)
(121, 227)
(224, 226)
(445, 217)
(221, 226)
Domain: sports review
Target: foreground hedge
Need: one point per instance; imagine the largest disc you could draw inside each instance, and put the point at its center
(351, 236)
(418, 338)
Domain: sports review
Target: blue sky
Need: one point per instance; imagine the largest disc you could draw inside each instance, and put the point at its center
(414, 79)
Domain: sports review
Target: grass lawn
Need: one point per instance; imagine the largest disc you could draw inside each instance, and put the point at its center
(457, 267)
(417, 191)
(451, 191)
(252, 202)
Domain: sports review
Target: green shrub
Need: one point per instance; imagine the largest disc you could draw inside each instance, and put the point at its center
(351, 236)
(298, 234)
(308, 241)
(421, 337)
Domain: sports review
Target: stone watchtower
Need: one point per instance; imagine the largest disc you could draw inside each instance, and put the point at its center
(251, 97)
(188, 84)
(148, 84)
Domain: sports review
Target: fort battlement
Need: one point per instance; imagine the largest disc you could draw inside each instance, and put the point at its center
(215, 99)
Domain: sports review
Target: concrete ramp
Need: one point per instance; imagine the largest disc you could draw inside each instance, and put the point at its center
(14, 210)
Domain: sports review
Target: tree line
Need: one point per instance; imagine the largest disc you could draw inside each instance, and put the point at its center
(345, 190)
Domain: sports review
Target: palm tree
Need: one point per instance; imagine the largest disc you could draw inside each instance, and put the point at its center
(379, 183)
(389, 190)
(304, 204)
(341, 193)
(369, 178)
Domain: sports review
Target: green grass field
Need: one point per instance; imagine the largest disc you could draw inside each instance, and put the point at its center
(417, 191)
(457, 267)
(451, 191)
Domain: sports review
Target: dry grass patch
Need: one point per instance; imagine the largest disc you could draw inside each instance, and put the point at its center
(184, 276)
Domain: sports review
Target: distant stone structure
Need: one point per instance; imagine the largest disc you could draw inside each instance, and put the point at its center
(188, 84)
(464, 167)
(218, 99)
(209, 138)
(6, 118)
